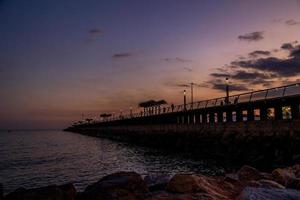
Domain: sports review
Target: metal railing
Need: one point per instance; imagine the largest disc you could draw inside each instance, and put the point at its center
(259, 95)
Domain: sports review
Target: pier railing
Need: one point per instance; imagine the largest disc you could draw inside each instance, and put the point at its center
(248, 97)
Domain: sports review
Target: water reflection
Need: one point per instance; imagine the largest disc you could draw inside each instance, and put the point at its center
(34, 159)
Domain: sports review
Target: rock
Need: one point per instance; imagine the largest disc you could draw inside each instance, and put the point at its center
(189, 196)
(270, 184)
(293, 183)
(266, 176)
(69, 190)
(255, 184)
(231, 178)
(296, 167)
(214, 186)
(219, 188)
(296, 170)
(183, 183)
(117, 186)
(283, 176)
(250, 193)
(1, 191)
(247, 173)
(49, 193)
(157, 182)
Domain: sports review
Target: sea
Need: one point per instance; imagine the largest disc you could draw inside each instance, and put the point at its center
(32, 159)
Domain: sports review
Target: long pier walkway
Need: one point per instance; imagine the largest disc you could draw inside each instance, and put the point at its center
(279, 103)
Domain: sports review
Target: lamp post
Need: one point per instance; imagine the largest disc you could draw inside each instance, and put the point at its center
(227, 90)
(192, 93)
(184, 100)
(130, 111)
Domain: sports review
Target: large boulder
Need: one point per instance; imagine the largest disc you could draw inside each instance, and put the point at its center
(53, 192)
(183, 183)
(117, 186)
(215, 187)
(285, 177)
(247, 173)
(251, 193)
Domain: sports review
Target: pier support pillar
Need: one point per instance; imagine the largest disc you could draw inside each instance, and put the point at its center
(198, 118)
(229, 116)
(278, 112)
(211, 117)
(204, 118)
(295, 111)
(220, 116)
(263, 112)
(239, 115)
(250, 114)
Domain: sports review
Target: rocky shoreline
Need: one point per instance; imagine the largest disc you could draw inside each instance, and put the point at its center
(246, 184)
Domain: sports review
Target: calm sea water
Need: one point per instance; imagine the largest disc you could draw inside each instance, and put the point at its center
(39, 158)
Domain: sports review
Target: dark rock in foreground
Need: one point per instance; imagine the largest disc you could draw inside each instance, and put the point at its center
(53, 192)
(250, 193)
(121, 185)
(247, 184)
(1, 191)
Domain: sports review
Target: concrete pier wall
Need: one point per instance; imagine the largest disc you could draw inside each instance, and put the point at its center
(264, 144)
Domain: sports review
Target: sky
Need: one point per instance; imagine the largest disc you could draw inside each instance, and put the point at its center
(60, 59)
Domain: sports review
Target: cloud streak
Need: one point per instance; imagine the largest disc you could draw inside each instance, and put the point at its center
(177, 59)
(94, 33)
(292, 22)
(121, 55)
(252, 37)
(259, 53)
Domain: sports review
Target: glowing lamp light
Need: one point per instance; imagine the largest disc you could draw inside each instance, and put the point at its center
(184, 92)
(227, 81)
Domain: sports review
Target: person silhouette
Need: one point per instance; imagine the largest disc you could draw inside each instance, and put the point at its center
(172, 107)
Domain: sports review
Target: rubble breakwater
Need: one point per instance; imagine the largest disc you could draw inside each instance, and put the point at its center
(247, 183)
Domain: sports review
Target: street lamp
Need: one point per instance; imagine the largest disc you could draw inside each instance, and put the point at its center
(131, 111)
(227, 90)
(184, 99)
(192, 93)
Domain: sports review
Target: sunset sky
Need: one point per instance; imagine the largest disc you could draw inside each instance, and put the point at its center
(62, 58)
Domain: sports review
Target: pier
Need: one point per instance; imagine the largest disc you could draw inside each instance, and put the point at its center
(261, 128)
(279, 103)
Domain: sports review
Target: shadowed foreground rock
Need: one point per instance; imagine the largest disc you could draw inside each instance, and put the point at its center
(1, 191)
(118, 186)
(53, 192)
(247, 184)
(250, 193)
